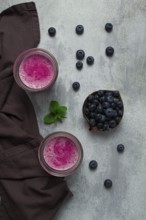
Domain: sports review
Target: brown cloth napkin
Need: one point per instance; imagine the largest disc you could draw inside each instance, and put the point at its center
(27, 192)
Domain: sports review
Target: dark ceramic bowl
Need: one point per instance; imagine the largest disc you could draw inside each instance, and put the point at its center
(103, 110)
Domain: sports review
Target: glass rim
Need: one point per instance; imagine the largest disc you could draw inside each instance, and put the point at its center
(22, 56)
(55, 172)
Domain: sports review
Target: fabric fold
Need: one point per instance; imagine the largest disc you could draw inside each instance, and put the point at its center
(27, 192)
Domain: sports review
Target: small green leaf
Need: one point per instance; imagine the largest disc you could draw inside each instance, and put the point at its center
(54, 105)
(50, 119)
(62, 110)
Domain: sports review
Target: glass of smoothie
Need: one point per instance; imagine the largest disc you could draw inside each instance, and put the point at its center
(35, 70)
(60, 154)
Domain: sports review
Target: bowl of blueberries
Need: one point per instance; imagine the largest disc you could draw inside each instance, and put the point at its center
(103, 110)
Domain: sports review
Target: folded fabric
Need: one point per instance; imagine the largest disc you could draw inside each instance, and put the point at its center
(27, 192)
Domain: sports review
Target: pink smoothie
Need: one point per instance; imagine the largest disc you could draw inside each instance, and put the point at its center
(36, 71)
(61, 153)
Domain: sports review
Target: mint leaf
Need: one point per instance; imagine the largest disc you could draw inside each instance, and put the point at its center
(50, 118)
(54, 105)
(57, 113)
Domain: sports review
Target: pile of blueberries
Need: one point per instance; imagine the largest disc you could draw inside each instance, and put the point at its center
(103, 109)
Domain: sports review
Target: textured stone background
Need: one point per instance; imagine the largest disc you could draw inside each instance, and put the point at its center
(124, 72)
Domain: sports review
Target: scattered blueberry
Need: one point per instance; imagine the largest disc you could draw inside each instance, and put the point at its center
(52, 31)
(76, 86)
(79, 29)
(90, 60)
(80, 54)
(79, 65)
(120, 148)
(109, 51)
(108, 183)
(110, 98)
(93, 164)
(108, 27)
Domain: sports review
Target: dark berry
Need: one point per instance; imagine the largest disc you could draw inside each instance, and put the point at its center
(100, 93)
(95, 101)
(115, 113)
(92, 115)
(118, 119)
(108, 27)
(112, 124)
(109, 112)
(109, 99)
(79, 65)
(120, 104)
(98, 117)
(103, 118)
(93, 164)
(120, 148)
(120, 113)
(80, 54)
(105, 126)
(86, 111)
(96, 96)
(76, 86)
(105, 105)
(116, 100)
(91, 98)
(79, 29)
(90, 60)
(52, 31)
(108, 183)
(102, 99)
(92, 122)
(99, 109)
(99, 126)
(92, 107)
(109, 93)
(109, 51)
(116, 94)
(113, 105)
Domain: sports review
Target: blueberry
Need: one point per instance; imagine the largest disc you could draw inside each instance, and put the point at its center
(95, 101)
(112, 124)
(79, 65)
(93, 164)
(92, 107)
(102, 99)
(99, 109)
(120, 104)
(90, 98)
(109, 112)
(92, 115)
(105, 105)
(105, 126)
(120, 113)
(110, 98)
(52, 31)
(116, 94)
(109, 93)
(103, 118)
(99, 126)
(80, 54)
(109, 51)
(96, 96)
(100, 93)
(92, 122)
(76, 86)
(98, 117)
(115, 114)
(113, 105)
(79, 29)
(120, 148)
(90, 60)
(86, 111)
(108, 27)
(118, 119)
(108, 183)
(116, 100)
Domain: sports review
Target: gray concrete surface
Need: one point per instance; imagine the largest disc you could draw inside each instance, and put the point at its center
(124, 72)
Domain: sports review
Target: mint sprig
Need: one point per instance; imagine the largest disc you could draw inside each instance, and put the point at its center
(56, 113)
